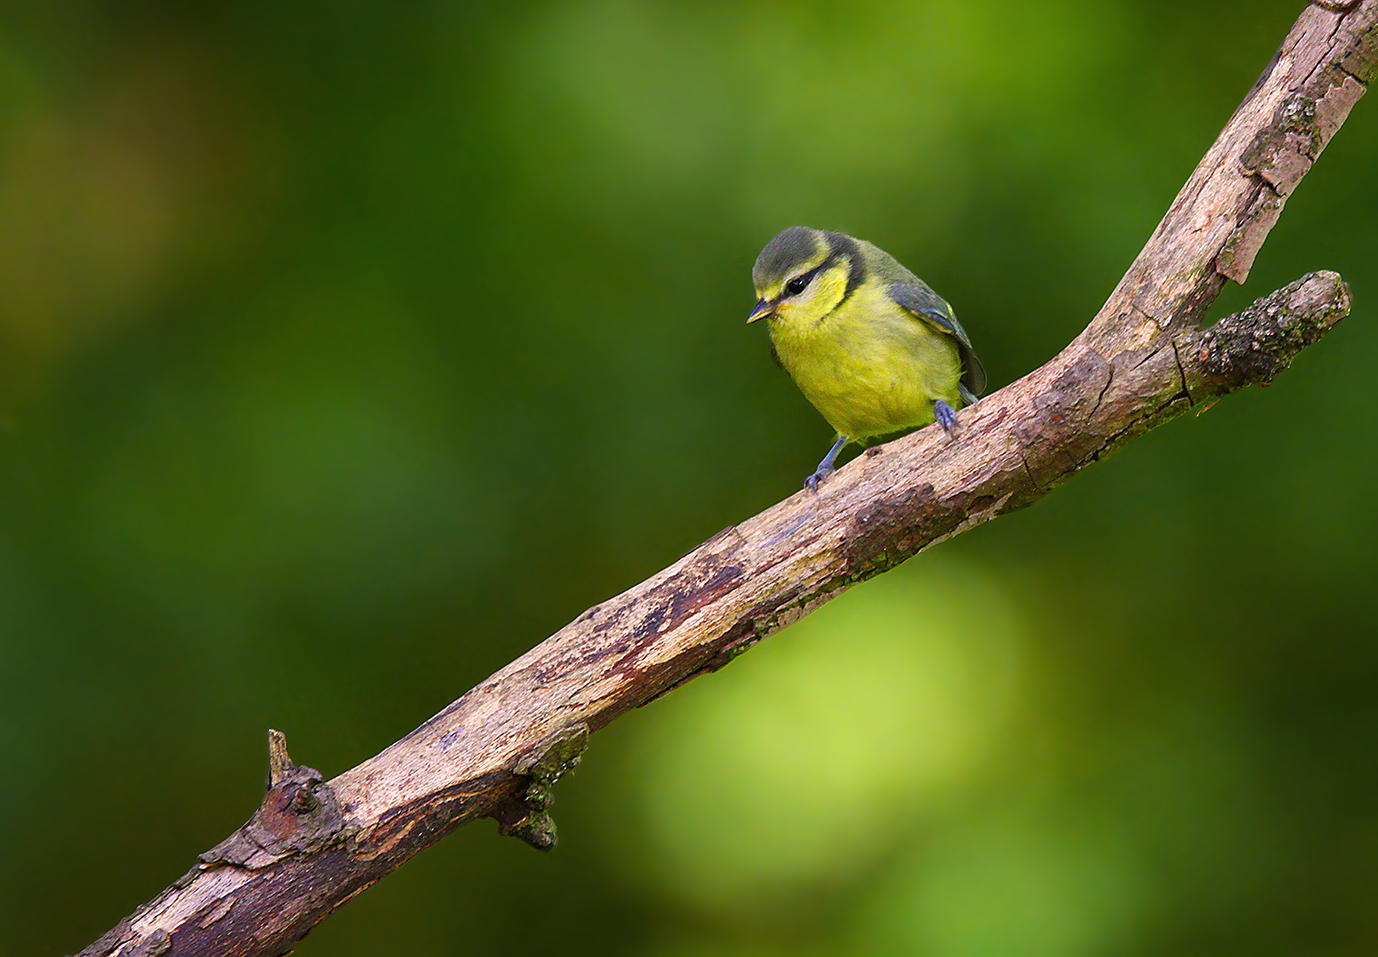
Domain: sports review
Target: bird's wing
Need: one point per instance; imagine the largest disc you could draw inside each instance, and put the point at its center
(927, 305)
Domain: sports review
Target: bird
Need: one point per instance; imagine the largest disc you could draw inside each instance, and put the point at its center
(870, 345)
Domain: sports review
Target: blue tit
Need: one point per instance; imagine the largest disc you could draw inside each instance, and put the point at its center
(867, 342)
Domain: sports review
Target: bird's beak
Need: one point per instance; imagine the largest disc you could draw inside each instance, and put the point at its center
(761, 309)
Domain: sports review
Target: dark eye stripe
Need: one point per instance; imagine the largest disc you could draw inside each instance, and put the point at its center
(845, 247)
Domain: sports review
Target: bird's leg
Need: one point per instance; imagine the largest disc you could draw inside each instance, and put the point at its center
(946, 416)
(825, 467)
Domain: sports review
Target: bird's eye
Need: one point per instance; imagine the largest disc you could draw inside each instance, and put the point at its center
(798, 284)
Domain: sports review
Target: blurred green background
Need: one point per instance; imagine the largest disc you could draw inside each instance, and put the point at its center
(349, 349)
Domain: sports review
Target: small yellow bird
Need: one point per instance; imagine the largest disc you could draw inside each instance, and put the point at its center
(867, 342)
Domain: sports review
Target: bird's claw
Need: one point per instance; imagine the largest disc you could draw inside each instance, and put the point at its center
(946, 416)
(825, 467)
(818, 476)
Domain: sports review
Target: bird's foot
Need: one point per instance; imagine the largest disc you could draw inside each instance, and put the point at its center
(823, 472)
(825, 467)
(946, 416)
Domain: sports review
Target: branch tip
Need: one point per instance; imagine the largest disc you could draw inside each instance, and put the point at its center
(1255, 345)
(279, 761)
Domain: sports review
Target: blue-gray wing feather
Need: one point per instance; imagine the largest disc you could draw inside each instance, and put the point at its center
(927, 305)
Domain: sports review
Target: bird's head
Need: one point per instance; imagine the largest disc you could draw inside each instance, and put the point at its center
(803, 274)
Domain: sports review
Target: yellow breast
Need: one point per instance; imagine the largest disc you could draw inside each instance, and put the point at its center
(869, 367)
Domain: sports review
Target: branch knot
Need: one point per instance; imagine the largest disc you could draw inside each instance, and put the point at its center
(299, 814)
(528, 817)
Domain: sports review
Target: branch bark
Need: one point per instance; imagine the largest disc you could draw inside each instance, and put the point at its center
(497, 750)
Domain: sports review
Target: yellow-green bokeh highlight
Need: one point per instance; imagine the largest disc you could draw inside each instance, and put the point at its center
(811, 756)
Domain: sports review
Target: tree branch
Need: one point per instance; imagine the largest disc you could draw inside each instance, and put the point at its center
(497, 750)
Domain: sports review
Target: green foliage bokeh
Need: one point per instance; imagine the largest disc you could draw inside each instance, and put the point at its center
(348, 350)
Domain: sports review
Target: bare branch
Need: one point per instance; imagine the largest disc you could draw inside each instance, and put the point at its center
(497, 750)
